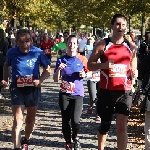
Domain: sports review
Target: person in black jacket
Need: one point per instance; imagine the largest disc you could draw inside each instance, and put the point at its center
(144, 47)
(3, 51)
(144, 85)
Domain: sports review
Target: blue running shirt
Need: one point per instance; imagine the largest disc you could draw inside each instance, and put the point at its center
(71, 82)
(24, 64)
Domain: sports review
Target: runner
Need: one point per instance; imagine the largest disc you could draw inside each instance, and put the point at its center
(46, 45)
(40, 37)
(93, 82)
(3, 51)
(71, 92)
(89, 45)
(60, 47)
(118, 66)
(65, 35)
(56, 39)
(144, 89)
(82, 43)
(25, 84)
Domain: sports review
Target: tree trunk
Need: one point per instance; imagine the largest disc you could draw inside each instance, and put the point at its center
(143, 25)
(130, 22)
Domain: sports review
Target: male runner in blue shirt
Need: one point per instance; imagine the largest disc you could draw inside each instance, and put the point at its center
(25, 84)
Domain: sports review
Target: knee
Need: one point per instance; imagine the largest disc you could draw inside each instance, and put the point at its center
(104, 128)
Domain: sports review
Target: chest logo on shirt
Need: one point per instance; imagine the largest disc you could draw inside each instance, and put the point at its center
(31, 62)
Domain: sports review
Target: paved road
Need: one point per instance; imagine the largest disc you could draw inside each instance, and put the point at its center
(47, 132)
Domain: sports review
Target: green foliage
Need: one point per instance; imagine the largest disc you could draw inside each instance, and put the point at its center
(62, 14)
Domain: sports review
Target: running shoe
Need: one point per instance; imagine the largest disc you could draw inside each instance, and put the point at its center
(1, 96)
(77, 145)
(24, 144)
(90, 110)
(97, 118)
(68, 146)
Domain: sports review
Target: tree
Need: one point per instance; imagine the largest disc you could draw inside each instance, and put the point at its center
(63, 14)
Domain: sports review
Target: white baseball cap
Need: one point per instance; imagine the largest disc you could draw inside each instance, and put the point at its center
(61, 34)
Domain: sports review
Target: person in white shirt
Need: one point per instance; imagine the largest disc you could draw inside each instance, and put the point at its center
(93, 88)
(82, 43)
(12, 39)
(89, 45)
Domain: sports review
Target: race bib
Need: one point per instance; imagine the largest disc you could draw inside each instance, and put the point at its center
(96, 75)
(24, 81)
(47, 51)
(119, 70)
(67, 87)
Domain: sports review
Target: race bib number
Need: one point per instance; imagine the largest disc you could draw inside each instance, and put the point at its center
(47, 51)
(96, 75)
(67, 87)
(24, 81)
(119, 70)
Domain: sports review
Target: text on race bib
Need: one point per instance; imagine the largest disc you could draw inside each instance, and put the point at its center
(24, 81)
(119, 70)
(67, 87)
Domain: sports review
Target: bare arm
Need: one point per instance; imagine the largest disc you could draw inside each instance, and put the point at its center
(4, 82)
(5, 72)
(45, 73)
(96, 53)
(57, 73)
(134, 59)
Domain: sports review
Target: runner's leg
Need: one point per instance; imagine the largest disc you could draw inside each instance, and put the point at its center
(122, 138)
(64, 104)
(147, 130)
(77, 105)
(17, 111)
(30, 121)
(92, 91)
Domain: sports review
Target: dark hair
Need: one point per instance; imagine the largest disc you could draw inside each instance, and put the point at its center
(2, 35)
(11, 32)
(71, 36)
(117, 16)
(66, 32)
(45, 34)
(22, 32)
(88, 40)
